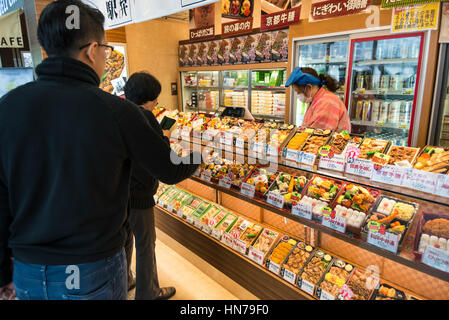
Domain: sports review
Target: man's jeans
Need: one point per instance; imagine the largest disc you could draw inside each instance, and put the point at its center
(104, 279)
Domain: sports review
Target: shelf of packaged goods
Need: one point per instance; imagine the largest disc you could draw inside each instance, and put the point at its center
(315, 62)
(385, 61)
(349, 238)
(255, 278)
(381, 94)
(400, 126)
(268, 88)
(235, 88)
(208, 87)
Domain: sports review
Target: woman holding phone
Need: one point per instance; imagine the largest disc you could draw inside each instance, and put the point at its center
(143, 89)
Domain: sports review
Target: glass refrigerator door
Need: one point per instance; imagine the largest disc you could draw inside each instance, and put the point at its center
(208, 91)
(235, 88)
(268, 93)
(382, 90)
(327, 57)
(189, 83)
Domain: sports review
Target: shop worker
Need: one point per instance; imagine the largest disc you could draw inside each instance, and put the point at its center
(66, 149)
(143, 89)
(325, 110)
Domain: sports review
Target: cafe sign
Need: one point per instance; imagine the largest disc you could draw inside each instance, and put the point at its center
(11, 31)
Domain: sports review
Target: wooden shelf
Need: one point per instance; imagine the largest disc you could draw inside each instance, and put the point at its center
(255, 278)
(345, 237)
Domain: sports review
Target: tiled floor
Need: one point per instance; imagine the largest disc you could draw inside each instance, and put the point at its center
(193, 278)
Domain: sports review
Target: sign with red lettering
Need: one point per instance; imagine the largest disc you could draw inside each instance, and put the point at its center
(280, 19)
(346, 293)
(388, 241)
(275, 199)
(443, 186)
(436, 258)
(421, 180)
(336, 163)
(360, 167)
(248, 190)
(227, 239)
(389, 175)
(321, 10)
(256, 255)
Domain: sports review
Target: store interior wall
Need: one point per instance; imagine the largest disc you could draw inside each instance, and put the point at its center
(153, 46)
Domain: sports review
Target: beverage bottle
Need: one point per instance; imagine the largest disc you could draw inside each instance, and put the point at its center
(359, 110)
(383, 114)
(375, 110)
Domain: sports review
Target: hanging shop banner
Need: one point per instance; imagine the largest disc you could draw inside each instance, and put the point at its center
(404, 3)
(280, 19)
(238, 27)
(415, 18)
(321, 10)
(11, 31)
(444, 28)
(122, 12)
(236, 9)
(8, 6)
(276, 6)
(201, 22)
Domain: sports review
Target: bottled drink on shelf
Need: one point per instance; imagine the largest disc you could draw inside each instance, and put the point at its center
(396, 82)
(413, 52)
(369, 82)
(375, 110)
(410, 82)
(360, 81)
(366, 115)
(380, 51)
(393, 111)
(384, 81)
(383, 113)
(359, 110)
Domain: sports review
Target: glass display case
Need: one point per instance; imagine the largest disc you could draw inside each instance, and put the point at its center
(326, 56)
(382, 88)
(268, 93)
(200, 90)
(235, 88)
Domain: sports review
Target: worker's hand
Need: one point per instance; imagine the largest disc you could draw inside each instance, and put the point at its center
(8, 292)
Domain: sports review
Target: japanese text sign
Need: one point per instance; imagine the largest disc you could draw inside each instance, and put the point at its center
(415, 18)
(328, 9)
(280, 19)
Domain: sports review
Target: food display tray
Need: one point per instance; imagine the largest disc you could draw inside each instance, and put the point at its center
(326, 270)
(301, 246)
(399, 294)
(335, 263)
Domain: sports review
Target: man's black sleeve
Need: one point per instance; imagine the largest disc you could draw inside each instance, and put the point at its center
(5, 252)
(149, 150)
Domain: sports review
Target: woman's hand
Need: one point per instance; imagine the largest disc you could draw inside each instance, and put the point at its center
(8, 292)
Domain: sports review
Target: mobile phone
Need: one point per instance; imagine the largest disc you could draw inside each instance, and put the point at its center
(167, 123)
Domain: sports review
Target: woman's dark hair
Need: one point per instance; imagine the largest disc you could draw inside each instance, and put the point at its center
(60, 34)
(330, 83)
(142, 87)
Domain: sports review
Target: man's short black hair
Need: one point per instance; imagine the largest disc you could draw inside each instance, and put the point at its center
(59, 40)
(142, 87)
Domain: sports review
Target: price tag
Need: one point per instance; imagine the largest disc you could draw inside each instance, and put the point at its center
(239, 245)
(228, 137)
(256, 255)
(389, 174)
(216, 233)
(206, 228)
(443, 186)
(336, 223)
(271, 150)
(170, 207)
(155, 198)
(302, 210)
(209, 134)
(225, 182)
(197, 123)
(360, 167)
(239, 143)
(380, 158)
(436, 258)
(388, 241)
(248, 190)
(206, 176)
(180, 213)
(258, 147)
(308, 158)
(189, 218)
(227, 239)
(346, 293)
(307, 287)
(336, 163)
(326, 296)
(197, 222)
(273, 267)
(186, 131)
(352, 152)
(291, 154)
(289, 276)
(422, 180)
(275, 199)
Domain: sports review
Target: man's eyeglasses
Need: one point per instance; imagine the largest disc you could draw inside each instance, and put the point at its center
(107, 48)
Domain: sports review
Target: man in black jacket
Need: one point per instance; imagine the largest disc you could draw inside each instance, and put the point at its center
(66, 149)
(143, 89)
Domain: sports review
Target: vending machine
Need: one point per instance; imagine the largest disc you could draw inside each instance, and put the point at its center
(382, 90)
